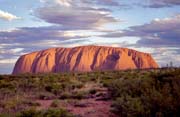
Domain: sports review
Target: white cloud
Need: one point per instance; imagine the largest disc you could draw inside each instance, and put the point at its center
(66, 3)
(7, 16)
(41, 1)
(11, 51)
(12, 60)
(16, 50)
(79, 33)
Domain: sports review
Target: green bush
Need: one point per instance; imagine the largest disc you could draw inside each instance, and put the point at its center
(129, 106)
(157, 94)
(6, 84)
(65, 95)
(79, 95)
(6, 115)
(1, 77)
(44, 113)
(46, 96)
(93, 91)
(55, 88)
(30, 103)
(56, 113)
(55, 103)
(75, 95)
(29, 113)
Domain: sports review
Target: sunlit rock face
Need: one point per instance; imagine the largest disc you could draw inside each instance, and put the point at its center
(83, 58)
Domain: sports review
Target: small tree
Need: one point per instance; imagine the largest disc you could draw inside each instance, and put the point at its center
(171, 64)
(167, 65)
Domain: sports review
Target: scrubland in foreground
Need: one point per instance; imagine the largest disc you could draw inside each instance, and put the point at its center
(108, 94)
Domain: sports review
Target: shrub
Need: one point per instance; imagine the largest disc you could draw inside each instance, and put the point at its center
(46, 96)
(56, 113)
(55, 103)
(147, 96)
(6, 115)
(55, 88)
(74, 95)
(31, 103)
(6, 84)
(29, 113)
(1, 77)
(12, 104)
(129, 106)
(44, 113)
(79, 95)
(93, 91)
(65, 95)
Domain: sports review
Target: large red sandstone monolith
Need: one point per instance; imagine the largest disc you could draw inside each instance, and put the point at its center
(83, 58)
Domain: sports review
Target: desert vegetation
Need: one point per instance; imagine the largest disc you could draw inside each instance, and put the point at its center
(150, 93)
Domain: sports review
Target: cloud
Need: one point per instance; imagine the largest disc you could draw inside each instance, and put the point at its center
(11, 51)
(163, 3)
(38, 34)
(64, 2)
(159, 32)
(9, 61)
(6, 68)
(16, 42)
(152, 3)
(77, 14)
(69, 3)
(106, 2)
(166, 55)
(7, 16)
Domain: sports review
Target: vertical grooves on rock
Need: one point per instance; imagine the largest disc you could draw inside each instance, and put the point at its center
(95, 59)
(34, 64)
(78, 58)
(59, 53)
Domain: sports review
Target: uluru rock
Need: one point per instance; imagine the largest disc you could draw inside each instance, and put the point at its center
(83, 58)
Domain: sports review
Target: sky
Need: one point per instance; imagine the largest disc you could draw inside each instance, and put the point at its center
(151, 26)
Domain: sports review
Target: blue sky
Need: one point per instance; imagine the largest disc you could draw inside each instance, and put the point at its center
(146, 25)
